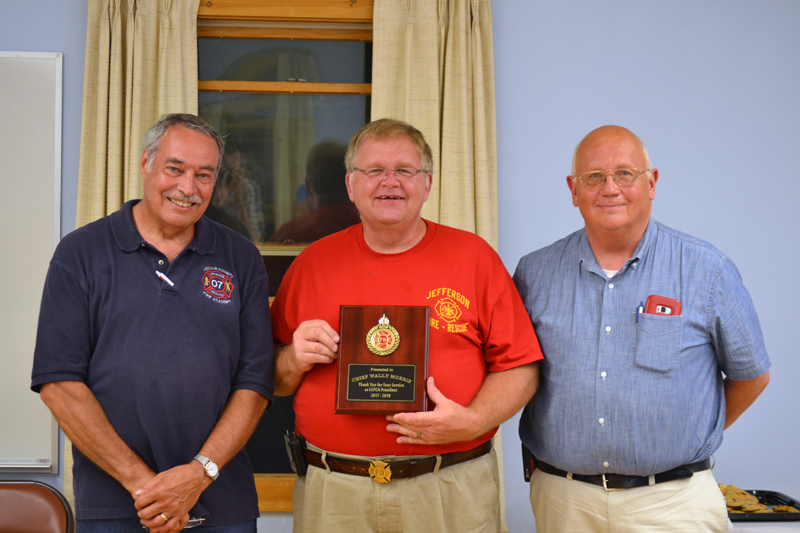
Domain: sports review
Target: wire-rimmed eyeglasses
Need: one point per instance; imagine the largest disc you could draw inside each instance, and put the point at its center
(402, 173)
(623, 177)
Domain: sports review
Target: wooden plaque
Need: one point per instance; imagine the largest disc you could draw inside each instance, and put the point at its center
(383, 359)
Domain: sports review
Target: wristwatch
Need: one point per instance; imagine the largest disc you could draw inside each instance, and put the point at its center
(211, 468)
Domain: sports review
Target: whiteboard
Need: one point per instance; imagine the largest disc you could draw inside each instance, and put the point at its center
(30, 177)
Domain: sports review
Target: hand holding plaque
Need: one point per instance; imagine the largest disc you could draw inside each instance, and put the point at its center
(383, 359)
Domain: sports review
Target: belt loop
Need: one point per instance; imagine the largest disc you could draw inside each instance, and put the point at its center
(651, 480)
(438, 464)
(324, 455)
(569, 476)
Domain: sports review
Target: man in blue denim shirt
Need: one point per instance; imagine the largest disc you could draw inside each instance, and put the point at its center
(628, 399)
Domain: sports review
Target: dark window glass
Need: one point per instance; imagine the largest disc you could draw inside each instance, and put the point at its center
(284, 162)
(289, 60)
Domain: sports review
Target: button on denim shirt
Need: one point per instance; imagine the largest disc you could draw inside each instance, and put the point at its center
(627, 392)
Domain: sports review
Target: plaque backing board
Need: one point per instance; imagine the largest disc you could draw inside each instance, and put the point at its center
(364, 379)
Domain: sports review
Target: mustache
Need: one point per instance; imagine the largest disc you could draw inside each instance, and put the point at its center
(181, 198)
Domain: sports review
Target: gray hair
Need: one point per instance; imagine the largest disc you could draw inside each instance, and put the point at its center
(153, 136)
(389, 128)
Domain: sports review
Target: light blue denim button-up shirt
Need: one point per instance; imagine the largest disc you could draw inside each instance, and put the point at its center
(626, 392)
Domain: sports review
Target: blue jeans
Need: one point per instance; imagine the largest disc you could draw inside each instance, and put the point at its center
(133, 525)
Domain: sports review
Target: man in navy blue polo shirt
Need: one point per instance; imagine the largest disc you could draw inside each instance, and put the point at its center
(154, 350)
(637, 322)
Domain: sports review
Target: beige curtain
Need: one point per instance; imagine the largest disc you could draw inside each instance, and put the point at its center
(141, 62)
(433, 66)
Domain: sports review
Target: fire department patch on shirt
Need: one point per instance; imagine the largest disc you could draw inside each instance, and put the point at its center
(218, 284)
(448, 310)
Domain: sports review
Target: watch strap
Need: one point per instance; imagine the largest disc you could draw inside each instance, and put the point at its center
(210, 467)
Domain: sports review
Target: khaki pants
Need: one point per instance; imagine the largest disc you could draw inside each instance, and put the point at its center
(462, 498)
(686, 505)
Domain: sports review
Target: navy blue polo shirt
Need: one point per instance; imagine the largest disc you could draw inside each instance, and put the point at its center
(161, 359)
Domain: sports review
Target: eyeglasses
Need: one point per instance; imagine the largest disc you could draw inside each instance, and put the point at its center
(623, 177)
(404, 173)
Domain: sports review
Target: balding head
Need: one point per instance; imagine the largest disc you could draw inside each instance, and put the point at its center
(611, 135)
(616, 214)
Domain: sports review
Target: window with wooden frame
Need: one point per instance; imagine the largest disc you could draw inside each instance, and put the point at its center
(287, 82)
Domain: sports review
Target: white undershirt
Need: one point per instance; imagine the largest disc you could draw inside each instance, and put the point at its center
(610, 273)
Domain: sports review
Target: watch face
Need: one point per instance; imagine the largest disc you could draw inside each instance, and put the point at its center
(212, 469)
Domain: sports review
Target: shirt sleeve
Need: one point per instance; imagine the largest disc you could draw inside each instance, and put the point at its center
(735, 329)
(511, 341)
(284, 307)
(63, 339)
(255, 369)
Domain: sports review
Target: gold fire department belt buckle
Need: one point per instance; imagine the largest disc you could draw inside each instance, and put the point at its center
(380, 471)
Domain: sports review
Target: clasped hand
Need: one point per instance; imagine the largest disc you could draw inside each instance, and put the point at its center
(170, 494)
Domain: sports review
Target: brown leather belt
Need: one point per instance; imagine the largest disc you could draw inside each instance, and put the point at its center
(384, 470)
(620, 481)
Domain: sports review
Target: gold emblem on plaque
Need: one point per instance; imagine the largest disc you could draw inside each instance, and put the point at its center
(380, 471)
(383, 339)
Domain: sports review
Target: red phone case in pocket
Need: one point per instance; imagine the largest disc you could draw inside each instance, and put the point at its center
(661, 305)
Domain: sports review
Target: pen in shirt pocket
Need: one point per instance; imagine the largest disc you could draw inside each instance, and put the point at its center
(639, 311)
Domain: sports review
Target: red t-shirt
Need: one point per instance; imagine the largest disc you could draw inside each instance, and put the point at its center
(478, 324)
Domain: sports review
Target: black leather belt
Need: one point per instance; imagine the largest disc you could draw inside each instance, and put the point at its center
(384, 470)
(620, 481)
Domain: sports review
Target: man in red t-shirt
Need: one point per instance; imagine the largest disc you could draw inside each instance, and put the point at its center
(483, 355)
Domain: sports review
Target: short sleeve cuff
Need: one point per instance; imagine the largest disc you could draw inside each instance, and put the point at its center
(42, 379)
(266, 392)
(750, 373)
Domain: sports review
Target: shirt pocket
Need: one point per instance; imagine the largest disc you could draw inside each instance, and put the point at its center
(657, 343)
